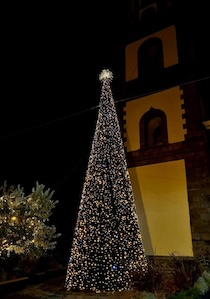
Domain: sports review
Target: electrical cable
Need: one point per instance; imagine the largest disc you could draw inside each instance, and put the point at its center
(93, 108)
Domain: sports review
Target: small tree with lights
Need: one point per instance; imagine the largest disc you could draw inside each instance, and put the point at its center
(107, 244)
(24, 228)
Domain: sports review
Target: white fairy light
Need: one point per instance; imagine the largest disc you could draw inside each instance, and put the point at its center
(106, 74)
(107, 245)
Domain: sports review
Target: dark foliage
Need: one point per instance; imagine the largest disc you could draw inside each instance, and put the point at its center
(186, 271)
(17, 266)
(151, 281)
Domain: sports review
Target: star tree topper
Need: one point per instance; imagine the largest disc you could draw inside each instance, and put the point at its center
(106, 74)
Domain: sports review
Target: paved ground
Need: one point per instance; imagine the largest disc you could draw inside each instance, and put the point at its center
(54, 289)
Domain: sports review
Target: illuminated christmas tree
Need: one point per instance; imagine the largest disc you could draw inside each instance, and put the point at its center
(107, 244)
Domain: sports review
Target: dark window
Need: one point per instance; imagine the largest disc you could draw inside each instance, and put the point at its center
(150, 57)
(153, 128)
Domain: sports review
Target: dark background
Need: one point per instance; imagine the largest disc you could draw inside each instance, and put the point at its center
(52, 54)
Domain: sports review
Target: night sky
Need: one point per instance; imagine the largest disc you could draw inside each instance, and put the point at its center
(52, 56)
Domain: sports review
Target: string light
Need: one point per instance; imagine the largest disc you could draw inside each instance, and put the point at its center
(107, 245)
(23, 221)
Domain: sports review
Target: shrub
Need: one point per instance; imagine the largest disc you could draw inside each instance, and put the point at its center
(186, 271)
(201, 285)
(151, 281)
(206, 277)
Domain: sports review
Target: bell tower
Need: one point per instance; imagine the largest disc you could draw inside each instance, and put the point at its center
(165, 121)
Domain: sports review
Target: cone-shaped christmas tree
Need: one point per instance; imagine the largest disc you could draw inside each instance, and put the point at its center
(107, 245)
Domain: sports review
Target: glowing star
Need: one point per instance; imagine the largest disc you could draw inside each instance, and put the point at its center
(106, 75)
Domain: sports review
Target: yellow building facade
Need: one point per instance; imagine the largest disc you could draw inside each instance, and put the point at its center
(160, 189)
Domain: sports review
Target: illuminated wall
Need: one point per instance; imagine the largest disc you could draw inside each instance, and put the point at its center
(160, 189)
(170, 54)
(161, 198)
(169, 101)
